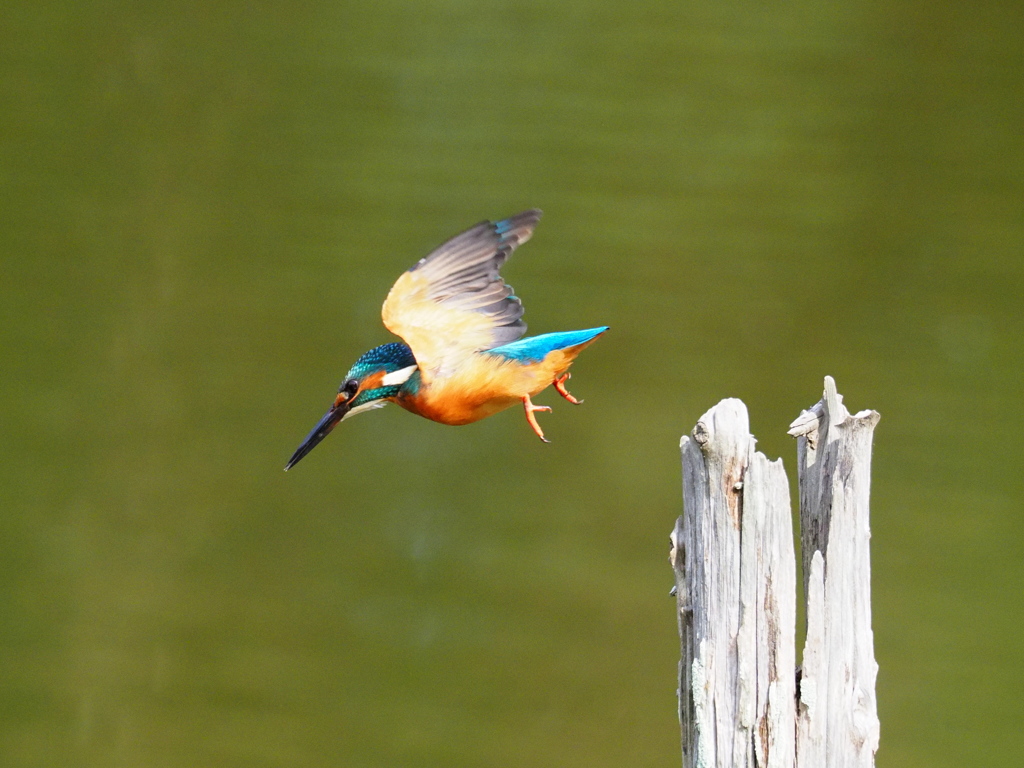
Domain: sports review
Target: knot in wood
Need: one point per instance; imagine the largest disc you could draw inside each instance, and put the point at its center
(701, 434)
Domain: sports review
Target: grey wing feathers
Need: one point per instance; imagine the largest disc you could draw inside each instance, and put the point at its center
(463, 272)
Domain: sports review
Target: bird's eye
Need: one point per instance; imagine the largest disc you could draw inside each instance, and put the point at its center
(350, 387)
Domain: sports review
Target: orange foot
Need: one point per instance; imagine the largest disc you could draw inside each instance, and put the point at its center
(530, 409)
(560, 386)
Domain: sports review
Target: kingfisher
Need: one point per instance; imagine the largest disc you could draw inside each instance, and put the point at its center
(464, 357)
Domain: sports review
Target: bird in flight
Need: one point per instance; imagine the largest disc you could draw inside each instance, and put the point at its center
(463, 358)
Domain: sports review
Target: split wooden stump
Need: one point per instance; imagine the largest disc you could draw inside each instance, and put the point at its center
(742, 700)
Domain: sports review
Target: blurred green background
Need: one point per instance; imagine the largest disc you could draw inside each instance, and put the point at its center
(202, 207)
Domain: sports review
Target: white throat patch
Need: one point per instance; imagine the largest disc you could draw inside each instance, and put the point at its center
(365, 407)
(398, 377)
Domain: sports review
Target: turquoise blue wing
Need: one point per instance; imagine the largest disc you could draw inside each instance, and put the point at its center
(536, 348)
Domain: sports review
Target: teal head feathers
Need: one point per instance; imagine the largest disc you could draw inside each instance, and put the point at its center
(377, 376)
(375, 379)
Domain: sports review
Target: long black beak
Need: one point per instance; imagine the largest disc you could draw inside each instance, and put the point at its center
(319, 432)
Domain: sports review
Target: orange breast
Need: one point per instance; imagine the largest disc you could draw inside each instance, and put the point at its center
(485, 385)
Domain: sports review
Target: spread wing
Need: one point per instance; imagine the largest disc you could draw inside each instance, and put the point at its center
(454, 303)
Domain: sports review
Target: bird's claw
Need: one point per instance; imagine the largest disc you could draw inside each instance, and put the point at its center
(560, 386)
(531, 409)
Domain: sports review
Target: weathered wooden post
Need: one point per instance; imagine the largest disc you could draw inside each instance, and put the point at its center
(735, 569)
(838, 719)
(732, 551)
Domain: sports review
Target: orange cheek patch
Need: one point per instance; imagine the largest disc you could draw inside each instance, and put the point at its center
(372, 381)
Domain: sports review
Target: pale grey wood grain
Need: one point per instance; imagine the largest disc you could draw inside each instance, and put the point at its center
(732, 551)
(735, 569)
(838, 720)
